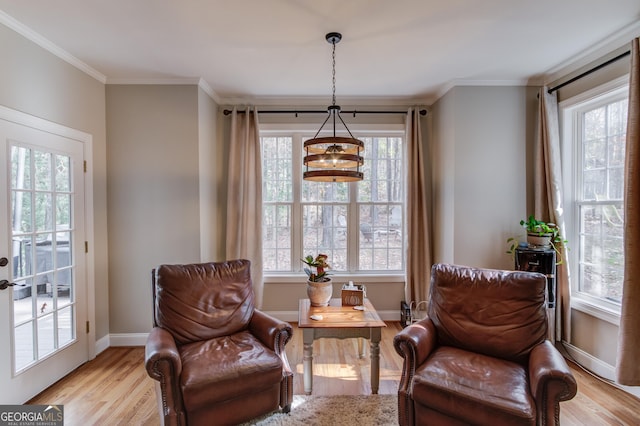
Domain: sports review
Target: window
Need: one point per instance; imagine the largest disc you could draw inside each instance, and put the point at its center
(358, 225)
(595, 128)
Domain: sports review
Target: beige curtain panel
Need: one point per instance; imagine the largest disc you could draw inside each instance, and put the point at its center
(418, 275)
(548, 198)
(628, 361)
(244, 196)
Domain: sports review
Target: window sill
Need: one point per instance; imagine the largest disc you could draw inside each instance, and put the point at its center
(596, 310)
(338, 278)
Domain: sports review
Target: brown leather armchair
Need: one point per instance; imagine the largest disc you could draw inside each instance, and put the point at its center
(481, 356)
(217, 359)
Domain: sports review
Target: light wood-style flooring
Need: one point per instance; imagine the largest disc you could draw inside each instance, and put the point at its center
(114, 389)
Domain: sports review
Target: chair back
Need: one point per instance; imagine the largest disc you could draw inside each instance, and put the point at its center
(202, 301)
(493, 312)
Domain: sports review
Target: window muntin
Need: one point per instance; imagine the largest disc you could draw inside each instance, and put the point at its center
(358, 225)
(598, 130)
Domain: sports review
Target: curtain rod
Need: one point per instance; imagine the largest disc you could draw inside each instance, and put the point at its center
(296, 112)
(589, 71)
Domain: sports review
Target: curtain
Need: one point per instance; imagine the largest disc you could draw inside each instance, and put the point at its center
(627, 365)
(244, 196)
(548, 199)
(418, 275)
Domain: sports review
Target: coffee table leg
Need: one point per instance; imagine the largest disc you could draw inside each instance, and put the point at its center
(307, 360)
(375, 360)
(361, 348)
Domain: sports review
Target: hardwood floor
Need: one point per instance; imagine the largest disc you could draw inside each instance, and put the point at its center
(114, 389)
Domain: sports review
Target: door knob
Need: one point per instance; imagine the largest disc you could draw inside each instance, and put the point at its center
(4, 284)
(4, 261)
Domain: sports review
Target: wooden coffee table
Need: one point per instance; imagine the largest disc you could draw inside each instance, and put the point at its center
(340, 322)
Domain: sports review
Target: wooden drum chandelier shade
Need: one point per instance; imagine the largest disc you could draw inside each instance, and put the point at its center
(333, 158)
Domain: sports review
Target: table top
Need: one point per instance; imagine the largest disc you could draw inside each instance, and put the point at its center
(337, 316)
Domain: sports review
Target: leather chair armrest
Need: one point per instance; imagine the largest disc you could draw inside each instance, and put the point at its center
(416, 342)
(272, 332)
(163, 363)
(413, 344)
(551, 381)
(275, 334)
(161, 347)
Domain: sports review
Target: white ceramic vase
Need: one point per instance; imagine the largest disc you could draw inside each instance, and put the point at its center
(539, 241)
(319, 293)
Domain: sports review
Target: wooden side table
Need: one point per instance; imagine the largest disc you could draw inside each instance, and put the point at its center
(340, 322)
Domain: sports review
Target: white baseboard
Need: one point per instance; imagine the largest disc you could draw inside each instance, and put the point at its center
(102, 344)
(128, 339)
(599, 368)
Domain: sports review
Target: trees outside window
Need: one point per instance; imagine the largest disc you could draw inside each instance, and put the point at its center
(359, 225)
(595, 130)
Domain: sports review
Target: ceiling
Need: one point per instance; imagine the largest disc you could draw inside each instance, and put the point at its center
(265, 50)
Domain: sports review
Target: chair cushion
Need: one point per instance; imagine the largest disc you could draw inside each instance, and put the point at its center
(202, 301)
(226, 367)
(493, 312)
(475, 388)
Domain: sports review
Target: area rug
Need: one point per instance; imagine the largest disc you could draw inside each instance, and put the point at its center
(359, 410)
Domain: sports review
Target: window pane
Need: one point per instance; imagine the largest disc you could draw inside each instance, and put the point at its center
(594, 154)
(594, 184)
(383, 171)
(277, 169)
(601, 251)
(44, 211)
(325, 191)
(21, 168)
(380, 237)
(322, 228)
(24, 348)
(618, 117)
(594, 123)
(63, 175)
(43, 170)
(65, 326)
(276, 234)
(22, 202)
(63, 211)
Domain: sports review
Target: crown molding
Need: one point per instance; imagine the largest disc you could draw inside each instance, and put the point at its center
(47, 45)
(618, 41)
(155, 81)
(482, 83)
(200, 82)
(206, 87)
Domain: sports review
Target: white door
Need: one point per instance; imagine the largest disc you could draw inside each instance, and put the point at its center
(43, 290)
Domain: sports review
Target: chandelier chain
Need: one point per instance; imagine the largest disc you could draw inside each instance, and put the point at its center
(333, 56)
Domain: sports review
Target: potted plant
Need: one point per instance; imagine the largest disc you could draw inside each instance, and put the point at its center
(540, 234)
(319, 285)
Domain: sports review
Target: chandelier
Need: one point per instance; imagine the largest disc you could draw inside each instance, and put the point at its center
(333, 158)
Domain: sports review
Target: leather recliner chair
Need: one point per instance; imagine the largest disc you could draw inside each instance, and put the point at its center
(217, 359)
(481, 357)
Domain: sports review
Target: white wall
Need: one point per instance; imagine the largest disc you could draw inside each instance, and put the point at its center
(153, 193)
(210, 178)
(38, 83)
(480, 143)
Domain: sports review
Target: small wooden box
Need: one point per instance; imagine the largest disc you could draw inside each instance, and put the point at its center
(353, 297)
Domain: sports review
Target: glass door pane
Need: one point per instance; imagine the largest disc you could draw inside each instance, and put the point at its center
(41, 235)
